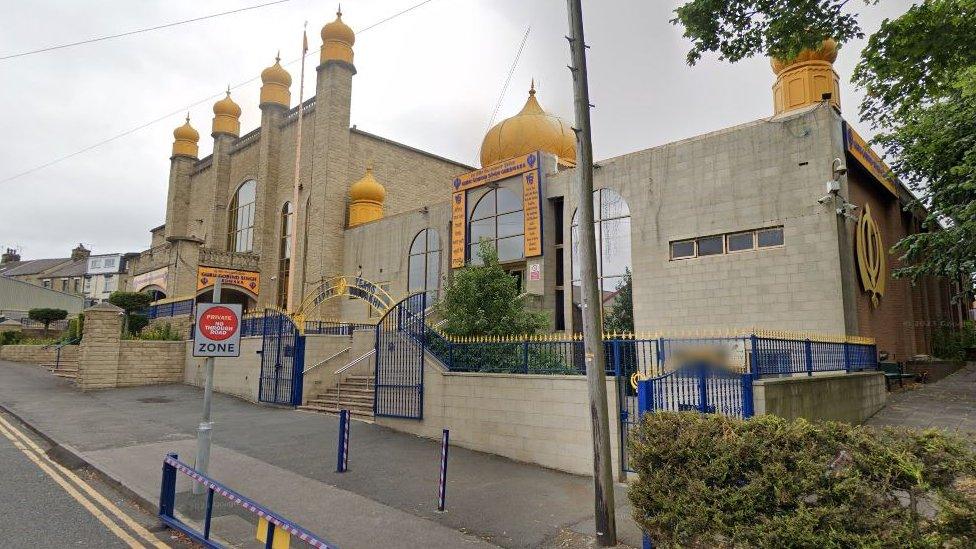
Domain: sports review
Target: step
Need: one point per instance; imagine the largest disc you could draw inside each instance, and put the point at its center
(345, 390)
(358, 378)
(342, 404)
(356, 383)
(331, 395)
(67, 375)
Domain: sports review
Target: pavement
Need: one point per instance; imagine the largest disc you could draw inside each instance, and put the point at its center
(948, 404)
(285, 460)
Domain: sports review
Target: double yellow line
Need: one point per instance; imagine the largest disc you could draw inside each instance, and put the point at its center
(82, 492)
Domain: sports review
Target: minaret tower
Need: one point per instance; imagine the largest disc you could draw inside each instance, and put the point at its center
(185, 151)
(226, 128)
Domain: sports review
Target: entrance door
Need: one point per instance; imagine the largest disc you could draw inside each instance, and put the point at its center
(400, 338)
(282, 360)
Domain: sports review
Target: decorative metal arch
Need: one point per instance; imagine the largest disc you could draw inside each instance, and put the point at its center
(350, 286)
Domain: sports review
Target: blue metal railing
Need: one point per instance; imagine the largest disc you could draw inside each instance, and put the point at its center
(174, 308)
(277, 525)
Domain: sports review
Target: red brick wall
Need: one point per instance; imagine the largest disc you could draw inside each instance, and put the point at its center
(903, 321)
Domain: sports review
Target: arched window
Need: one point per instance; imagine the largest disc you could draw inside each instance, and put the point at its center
(424, 264)
(240, 236)
(284, 252)
(498, 218)
(611, 220)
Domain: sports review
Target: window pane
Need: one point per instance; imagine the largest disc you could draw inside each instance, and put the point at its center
(771, 237)
(612, 205)
(511, 224)
(483, 228)
(510, 249)
(508, 201)
(415, 274)
(433, 270)
(684, 249)
(615, 238)
(574, 237)
(740, 241)
(710, 245)
(485, 207)
(419, 244)
(433, 242)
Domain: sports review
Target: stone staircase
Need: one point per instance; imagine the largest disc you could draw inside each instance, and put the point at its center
(67, 368)
(353, 393)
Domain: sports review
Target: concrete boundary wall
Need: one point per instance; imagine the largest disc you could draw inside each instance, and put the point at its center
(539, 419)
(851, 398)
(240, 376)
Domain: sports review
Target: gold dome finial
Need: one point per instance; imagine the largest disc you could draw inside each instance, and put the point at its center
(366, 198)
(806, 79)
(337, 41)
(185, 139)
(227, 116)
(275, 85)
(532, 129)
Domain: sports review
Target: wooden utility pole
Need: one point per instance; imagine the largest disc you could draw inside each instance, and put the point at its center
(606, 526)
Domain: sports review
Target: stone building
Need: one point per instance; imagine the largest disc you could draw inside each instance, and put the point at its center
(780, 223)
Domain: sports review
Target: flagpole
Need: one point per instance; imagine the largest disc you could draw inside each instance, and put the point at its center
(296, 194)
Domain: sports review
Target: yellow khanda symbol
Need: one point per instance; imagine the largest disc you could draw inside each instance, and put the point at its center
(871, 256)
(341, 286)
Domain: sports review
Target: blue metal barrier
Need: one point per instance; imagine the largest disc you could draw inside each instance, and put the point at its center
(167, 508)
(176, 308)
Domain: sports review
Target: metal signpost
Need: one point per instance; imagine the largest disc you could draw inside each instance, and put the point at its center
(217, 332)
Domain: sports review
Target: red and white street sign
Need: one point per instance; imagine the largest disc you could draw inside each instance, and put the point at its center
(218, 330)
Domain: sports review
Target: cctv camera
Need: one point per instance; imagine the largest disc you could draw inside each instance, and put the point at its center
(833, 186)
(838, 168)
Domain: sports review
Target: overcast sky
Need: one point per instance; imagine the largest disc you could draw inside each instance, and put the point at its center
(429, 78)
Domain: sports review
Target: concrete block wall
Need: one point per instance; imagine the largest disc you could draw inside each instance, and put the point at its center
(852, 398)
(240, 376)
(533, 418)
(37, 354)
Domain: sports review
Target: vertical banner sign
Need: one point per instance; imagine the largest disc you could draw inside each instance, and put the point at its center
(458, 230)
(533, 219)
(218, 330)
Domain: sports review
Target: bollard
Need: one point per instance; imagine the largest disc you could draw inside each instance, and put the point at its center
(442, 489)
(342, 455)
(167, 489)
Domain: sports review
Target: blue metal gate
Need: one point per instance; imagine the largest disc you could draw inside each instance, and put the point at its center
(400, 360)
(700, 388)
(282, 360)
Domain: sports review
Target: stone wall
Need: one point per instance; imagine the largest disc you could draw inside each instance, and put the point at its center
(150, 362)
(533, 418)
(851, 398)
(238, 376)
(180, 323)
(37, 354)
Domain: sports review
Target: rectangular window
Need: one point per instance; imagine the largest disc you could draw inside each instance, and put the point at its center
(64, 284)
(711, 245)
(557, 219)
(560, 271)
(770, 237)
(683, 250)
(46, 283)
(560, 313)
(741, 241)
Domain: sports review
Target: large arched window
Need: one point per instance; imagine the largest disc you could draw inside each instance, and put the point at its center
(611, 220)
(284, 252)
(498, 218)
(424, 264)
(240, 236)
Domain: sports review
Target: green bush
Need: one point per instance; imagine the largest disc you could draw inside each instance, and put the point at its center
(160, 332)
(47, 315)
(950, 343)
(137, 322)
(76, 327)
(714, 481)
(11, 338)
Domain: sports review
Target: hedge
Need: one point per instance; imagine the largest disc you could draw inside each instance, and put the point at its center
(714, 481)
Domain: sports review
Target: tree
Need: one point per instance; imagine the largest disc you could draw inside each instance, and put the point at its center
(130, 302)
(47, 316)
(484, 300)
(619, 317)
(919, 75)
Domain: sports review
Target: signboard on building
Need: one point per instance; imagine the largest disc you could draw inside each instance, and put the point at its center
(527, 167)
(858, 149)
(152, 278)
(218, 330)
(248, 280)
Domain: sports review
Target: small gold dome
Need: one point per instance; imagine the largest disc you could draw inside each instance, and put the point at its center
(530, 130)
(185, 140)
(366, 198)
(337, 41)
(826, 52)
(275, 83)
(227, 116)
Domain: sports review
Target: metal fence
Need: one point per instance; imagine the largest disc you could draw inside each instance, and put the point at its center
(174, 308)
(331, 327)
(56, 325)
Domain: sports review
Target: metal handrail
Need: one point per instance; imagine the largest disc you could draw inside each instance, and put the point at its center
(354, 362)
(316, 365)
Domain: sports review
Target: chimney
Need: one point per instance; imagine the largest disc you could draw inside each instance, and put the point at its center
(80, 253)
(9, 256)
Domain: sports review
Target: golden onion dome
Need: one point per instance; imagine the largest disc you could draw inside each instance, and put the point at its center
(367, 189)
(275, 82)
(338, 31)
(226, 116)
(227, 107)
(826, 52)
(532, 129)
(185, 140)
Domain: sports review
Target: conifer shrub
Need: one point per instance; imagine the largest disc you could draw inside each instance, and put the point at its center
(715, 481)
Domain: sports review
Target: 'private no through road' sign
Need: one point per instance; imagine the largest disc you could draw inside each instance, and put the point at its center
(218, 330)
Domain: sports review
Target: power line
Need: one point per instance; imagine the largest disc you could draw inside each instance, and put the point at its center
(508, 79)
(186, 107)
(138, 31)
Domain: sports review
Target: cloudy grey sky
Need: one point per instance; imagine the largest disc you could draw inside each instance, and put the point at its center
(429, 78)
